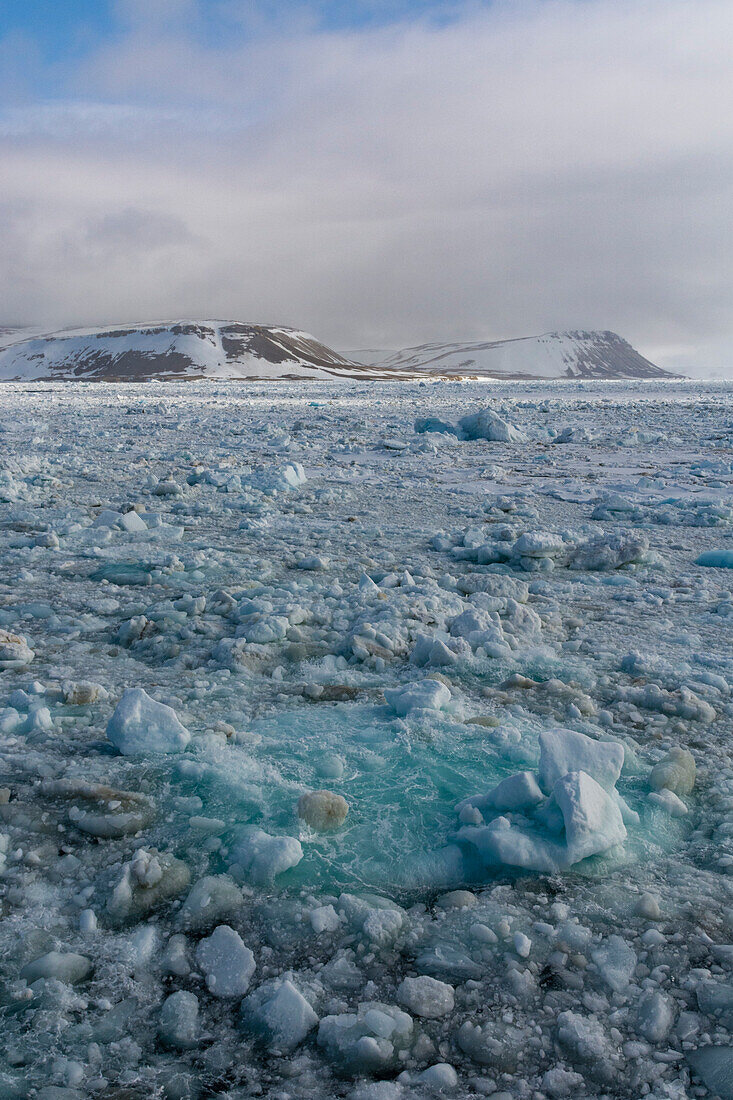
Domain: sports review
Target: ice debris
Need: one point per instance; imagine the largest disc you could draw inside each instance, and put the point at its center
(226, 962)
(369, 1040)
(322, 810)
(14, 650)
(279, 1014)
(142, 725)
(260, 857)
(579, 815)
(417, 698)
(675, 773)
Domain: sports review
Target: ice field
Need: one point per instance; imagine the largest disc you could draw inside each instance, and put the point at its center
(367, 740)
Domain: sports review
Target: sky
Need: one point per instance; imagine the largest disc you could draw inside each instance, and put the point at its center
(381, 174)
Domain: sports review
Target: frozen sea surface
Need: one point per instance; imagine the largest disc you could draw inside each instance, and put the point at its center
(366, 740)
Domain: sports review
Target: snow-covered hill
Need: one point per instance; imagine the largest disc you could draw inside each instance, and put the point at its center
(553, 355)
(171, 351)
(179, 350)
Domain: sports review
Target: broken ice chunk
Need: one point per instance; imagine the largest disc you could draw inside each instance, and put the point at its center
(367, 1041)
(322, 810)
(261, 857)
(616, 962)
(516, 792)
(424, 695)
(280, 1014)
(63, 966)
(588, 823)
(715, 1065)
(593, 821)
(226, 962)
(14, 651)
(148, 880)
(676, 772)
(716, 559)
(179, 1021)
(140, 725)
(488, 425)
(563, 751)
(209, 900)
(426, 996)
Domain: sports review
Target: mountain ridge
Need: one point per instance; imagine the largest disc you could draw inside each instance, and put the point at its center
(570, 354)
(180, 350)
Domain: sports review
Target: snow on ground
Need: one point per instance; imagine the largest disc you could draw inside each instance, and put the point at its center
(366, 740)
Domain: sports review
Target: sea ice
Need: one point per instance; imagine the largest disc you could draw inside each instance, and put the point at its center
(225, 962)
(427, 695)
(322, 810)
(279, 1013)
(141, 725)
(262, 857)
(554, 661)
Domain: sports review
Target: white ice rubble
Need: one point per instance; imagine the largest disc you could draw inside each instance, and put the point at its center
(570, 812)
(417, 776)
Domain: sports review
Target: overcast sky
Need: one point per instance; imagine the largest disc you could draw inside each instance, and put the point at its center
(379, 173)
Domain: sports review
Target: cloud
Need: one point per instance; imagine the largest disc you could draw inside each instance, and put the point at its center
(505, 171)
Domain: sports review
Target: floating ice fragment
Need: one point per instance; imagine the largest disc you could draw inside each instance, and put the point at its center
(676, 772)
(585, 821)
(610, 552)
(563, 751)
(583, 1037)
(715, 1065)
(324, 918)
(434, 424)
(457, 899)
(107, 518)
(616, 962)
(669, 802)
(516, 792)
(593, 821)
(716, 559)
(648, 906)
(716, 999)
(63, 966)
(81, 693)
(315, 563)
(210, 899)
(425, 996)
(262, 857)
(167, 488)
(538, 544)
(489, 425)
(141, 725)
(145, 869)
(179, 1021)
(175, 958)
(322, 810)
(14, 651)
(367, 1041)
(522, 945)
(439, 1078)
(226, 962)
(382, 926)
(100, 810)
(87, 921)
(148, 880)
(654, 1015)
(280, 1014)
(558, 1082)
(431, 695)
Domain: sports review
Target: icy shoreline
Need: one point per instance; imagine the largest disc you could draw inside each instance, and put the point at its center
(365, 740)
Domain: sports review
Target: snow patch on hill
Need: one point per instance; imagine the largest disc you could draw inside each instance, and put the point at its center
(170, 350)
(552, 355)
